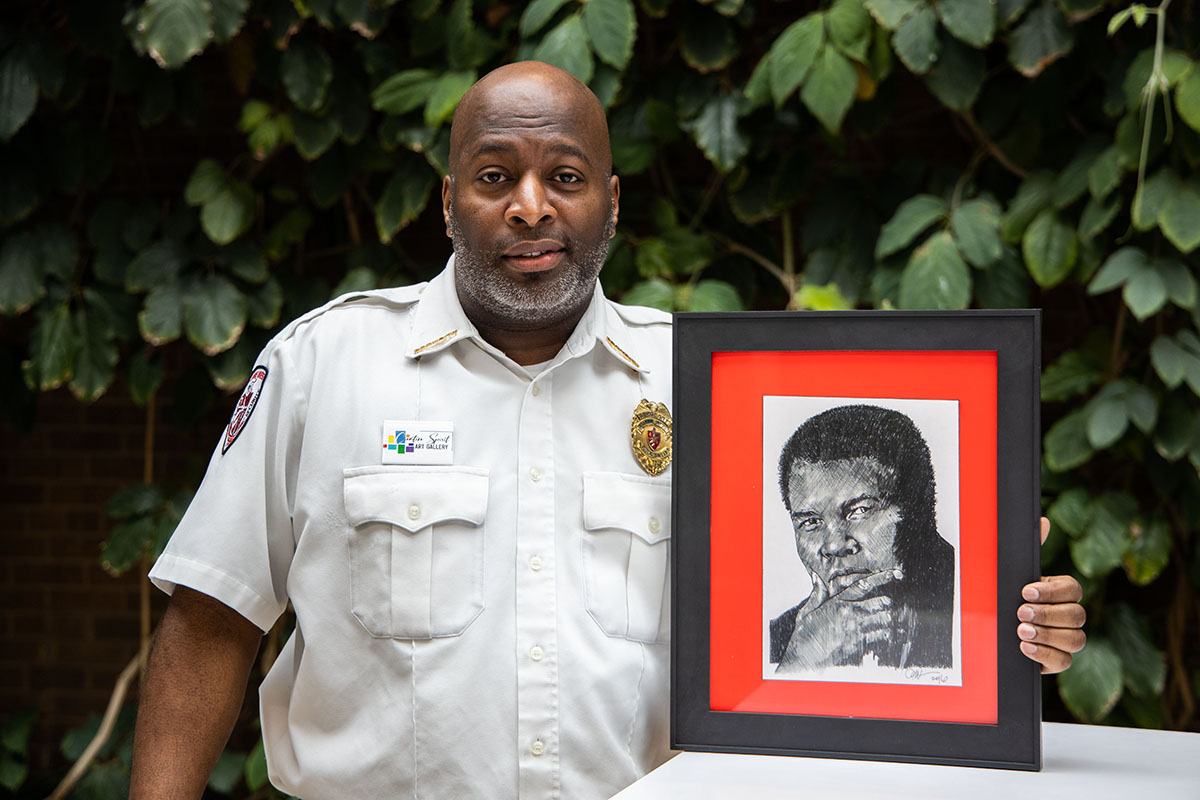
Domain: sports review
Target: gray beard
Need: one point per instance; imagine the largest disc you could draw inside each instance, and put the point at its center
(536, 302)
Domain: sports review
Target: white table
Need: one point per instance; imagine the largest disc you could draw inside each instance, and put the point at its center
(1078, 761)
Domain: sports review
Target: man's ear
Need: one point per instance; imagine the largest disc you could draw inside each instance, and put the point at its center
(446, 188)
(614, 190)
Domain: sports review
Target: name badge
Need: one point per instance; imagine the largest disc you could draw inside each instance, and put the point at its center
(408, 441)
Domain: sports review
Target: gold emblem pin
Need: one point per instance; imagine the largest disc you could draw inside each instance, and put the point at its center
(650, 435)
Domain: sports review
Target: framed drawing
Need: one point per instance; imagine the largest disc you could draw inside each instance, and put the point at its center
(856, 498)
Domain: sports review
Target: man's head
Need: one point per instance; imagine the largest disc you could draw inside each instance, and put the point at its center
(530, 202)
(858, 484)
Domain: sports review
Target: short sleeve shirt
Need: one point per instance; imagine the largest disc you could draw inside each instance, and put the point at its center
(492, 626)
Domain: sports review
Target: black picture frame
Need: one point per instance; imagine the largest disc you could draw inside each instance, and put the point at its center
(1014, 740)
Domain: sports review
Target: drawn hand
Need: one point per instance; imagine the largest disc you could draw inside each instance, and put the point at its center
(835, 630)
(1051, 619)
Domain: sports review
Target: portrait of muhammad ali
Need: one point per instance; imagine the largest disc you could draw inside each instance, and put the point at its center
(858, 484)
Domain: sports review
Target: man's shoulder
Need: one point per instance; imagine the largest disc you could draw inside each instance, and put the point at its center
(641, 316)
(399, 299)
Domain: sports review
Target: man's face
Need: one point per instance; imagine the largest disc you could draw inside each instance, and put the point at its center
(845, 528)
(531, 206)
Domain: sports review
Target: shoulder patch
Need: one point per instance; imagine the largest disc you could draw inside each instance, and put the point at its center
(245, 407)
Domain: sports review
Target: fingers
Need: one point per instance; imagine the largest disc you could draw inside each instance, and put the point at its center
(1054, 589)
(1051, 659)
(862, 588)
(1058, 615)
(1045, 529)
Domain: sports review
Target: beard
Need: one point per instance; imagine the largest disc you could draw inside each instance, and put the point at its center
(535, 300)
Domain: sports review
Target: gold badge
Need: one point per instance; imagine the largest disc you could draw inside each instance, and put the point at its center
(650, 434)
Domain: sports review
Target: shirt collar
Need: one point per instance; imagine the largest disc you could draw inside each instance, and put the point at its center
(439, 321)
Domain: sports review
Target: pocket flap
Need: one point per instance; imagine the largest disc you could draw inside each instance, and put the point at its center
(415, 497)
(640, 505)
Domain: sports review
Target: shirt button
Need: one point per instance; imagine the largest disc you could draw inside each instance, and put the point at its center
(535, 390)
(536, 652)
(535, 563)
(414, 511)
(654, 525)
(535, 474)
(538, 747)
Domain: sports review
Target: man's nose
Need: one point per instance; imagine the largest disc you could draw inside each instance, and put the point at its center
(530, 205)
(838, 543)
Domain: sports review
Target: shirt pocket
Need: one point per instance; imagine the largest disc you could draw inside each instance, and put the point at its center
(416, 548)
(627, 554)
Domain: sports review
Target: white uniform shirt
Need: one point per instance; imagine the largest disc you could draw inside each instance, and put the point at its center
(496, 627)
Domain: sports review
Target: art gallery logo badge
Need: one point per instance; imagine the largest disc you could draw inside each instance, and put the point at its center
(417, 442)
(650, 435)
(245, 407)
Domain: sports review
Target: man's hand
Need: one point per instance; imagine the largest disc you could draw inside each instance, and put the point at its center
(836, 630)
(1051, 619)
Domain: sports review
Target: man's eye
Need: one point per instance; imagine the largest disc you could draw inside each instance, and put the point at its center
(566, 177)
(808, 524)
(858, 512)
(491, 177)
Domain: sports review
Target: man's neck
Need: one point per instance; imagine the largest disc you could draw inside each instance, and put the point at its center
(531, 346)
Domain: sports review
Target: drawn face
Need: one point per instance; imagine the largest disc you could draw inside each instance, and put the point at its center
(845, 528)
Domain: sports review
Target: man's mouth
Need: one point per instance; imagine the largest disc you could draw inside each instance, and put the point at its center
(536, 256)
(840, 579)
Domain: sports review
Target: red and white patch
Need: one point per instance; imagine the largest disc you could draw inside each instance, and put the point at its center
(245, 407)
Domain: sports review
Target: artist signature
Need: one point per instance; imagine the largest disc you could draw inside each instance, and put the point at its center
(934, 676)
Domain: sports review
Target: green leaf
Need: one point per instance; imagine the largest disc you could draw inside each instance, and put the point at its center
(890, 13)
(1004, 284)
(264, 304)
(1071, 375)
(145, 375)
(245, 261)
(612, 27)
(157, 265)
(822, 298)
(1099, 551)
(1032, 197)
(214, 314)
(976, 228)
(1050, 249)
(208, 178)
(1181, 286)
(566, 47)
(403, 199)
(1107, 421)
(403, 92)
(911, 219)
(14, 735)
(1142, 405)
(133, 501)
(1041, 39)
(1072, 181)
(1169, 360)
(716, 132)
(958, 75)
(59, 250)
(161, 318)
(1145, 292)
(1143, 664)
(972, 21)
(1071, 511)
(1180, 217)
(230, 370)
(1092, 686)
(710, 295)
(1152, 196)
(1119, 267)
(792, 55)
(758, 88)
(21, 273)
(1105, 173)
(228, 18)
(1066, 444)
(829, 89)
(256, 767)
(687, 251)
(95, 357)
(227, 773)
(51, 350)
(849, 26)
(537, 14)
(916, 41)
(655, 293)
(1097, 215)
(12, 772)
(313, 135)
(229, 213)
(307, 72)
(709, 41)
(174, 30)
(936, 276)
(1147, 556)
(466, 47)
(18, 91)
(446, 93)
(1187, 99)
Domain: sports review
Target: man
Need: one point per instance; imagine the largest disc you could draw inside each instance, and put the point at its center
(858, 484)
(485, 620)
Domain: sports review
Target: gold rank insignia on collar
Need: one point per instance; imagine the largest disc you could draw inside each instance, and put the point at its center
(650, 434)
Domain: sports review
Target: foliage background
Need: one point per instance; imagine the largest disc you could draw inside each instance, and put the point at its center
(853, 153)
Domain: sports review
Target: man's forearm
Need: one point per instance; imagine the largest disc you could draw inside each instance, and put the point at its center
(191, 696)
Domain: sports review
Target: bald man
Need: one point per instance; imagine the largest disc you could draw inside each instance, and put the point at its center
(463, 490)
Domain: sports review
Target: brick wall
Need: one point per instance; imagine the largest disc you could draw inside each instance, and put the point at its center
(67, 626)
